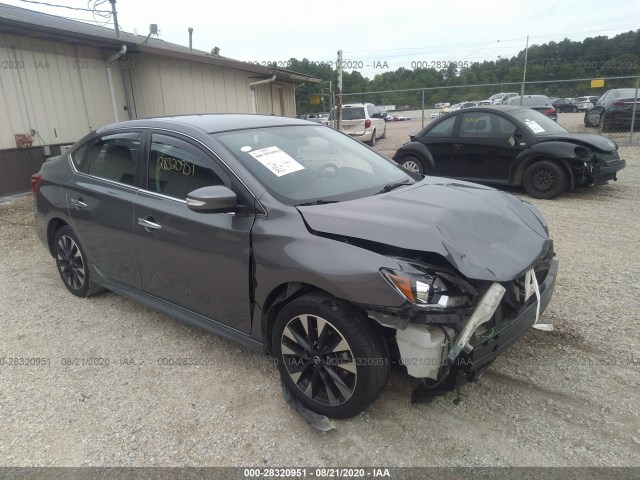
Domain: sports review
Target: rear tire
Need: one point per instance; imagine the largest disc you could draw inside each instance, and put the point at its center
(545, 179)
(605, 126)
(384, 132)
(332, 358)
(372, 142)
(72, 264)
(413, 164)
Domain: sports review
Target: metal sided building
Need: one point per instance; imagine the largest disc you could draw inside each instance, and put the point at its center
(61, 79)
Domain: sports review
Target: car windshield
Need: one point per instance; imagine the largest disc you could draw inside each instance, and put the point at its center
(537, 123)
(304, 164)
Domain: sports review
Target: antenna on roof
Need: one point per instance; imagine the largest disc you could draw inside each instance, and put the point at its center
(153, 30)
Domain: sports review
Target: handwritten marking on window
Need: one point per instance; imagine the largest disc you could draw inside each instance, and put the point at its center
(169, 163)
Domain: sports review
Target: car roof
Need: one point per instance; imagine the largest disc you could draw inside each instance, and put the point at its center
(210, 123)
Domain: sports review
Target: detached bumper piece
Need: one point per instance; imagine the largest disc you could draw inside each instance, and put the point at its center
(487, 342)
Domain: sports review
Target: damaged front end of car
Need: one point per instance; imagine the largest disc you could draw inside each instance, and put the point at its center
(452, 328)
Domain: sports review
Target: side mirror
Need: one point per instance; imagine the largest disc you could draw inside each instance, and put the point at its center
(215, 199)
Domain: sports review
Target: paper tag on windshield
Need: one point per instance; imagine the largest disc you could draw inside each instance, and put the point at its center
(533, 125)
(276, 160)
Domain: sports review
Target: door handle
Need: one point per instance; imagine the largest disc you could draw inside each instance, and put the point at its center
(78, 203)
(148, 225)
(458, 146)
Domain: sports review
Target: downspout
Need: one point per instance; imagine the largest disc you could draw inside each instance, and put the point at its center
(107, 66)
(254, 101)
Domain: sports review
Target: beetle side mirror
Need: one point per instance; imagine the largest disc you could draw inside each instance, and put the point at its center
(214, 199)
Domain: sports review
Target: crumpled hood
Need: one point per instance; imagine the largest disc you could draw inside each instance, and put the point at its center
(484, 233)
(594, 141)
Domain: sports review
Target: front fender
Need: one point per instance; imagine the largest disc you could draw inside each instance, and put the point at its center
(415, 148)
(561, 152)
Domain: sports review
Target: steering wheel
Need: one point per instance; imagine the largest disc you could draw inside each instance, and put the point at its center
(319, 171)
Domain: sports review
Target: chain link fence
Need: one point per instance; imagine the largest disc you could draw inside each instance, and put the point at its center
(616, 115)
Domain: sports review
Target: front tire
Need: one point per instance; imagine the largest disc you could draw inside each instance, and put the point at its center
(413, 164)
(72, 263)
(545, 179)
(331, 356)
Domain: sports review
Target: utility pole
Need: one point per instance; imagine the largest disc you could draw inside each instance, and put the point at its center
(115, 16)
(524, 74)
(339, 90)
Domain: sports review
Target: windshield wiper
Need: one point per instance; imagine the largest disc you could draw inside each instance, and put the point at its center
(315, 202)
(390, 186)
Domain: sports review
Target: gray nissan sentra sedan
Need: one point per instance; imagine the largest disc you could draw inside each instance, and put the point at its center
(292, 238)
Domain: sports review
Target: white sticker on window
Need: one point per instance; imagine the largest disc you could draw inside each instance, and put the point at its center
(533, 125)
(276, 160)
(245, 149)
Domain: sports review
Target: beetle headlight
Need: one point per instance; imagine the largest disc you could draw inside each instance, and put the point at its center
(429, 288)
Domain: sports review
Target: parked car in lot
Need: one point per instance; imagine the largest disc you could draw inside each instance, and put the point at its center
(294, 239)
(502, 98)
(585, 103)
(468, 105)
(511, 145)
(614, 110)
(362, 121)
(443, 105)
(564, 105)
(540, 103)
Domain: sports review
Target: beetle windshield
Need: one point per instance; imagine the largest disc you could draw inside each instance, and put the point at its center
(537, 123)
(302, 164)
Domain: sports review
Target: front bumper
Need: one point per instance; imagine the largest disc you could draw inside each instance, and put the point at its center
(608, 171)
(505, 333)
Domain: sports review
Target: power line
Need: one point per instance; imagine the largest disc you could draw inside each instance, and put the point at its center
(64, 6)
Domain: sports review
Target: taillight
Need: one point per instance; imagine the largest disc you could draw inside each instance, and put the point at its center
(367, 123)
(549, 111)
(35, 181)
(618, 103)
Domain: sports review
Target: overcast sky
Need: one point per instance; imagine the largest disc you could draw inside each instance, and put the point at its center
(376, 36)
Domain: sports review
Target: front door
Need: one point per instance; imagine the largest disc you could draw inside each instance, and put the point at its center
(484, 149)
(198, 261)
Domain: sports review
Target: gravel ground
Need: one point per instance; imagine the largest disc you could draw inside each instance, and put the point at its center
(565, 398)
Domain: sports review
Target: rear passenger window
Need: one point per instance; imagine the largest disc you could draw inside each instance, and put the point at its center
(177, 167)
(114, 157)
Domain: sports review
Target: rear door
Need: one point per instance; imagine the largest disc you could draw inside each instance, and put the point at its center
(198, 261)
(100, 201)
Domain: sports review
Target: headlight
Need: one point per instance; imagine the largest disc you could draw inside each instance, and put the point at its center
(583, 153)
(428, 287)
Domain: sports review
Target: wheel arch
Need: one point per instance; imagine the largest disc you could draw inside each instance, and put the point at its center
(53, 226)
(517, 176)
(415, 148)
(281, 296)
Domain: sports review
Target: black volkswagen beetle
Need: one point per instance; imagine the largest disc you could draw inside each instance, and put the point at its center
(292, 238)
(511, 145)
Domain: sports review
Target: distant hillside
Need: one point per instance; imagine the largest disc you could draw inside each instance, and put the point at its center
(594, 57)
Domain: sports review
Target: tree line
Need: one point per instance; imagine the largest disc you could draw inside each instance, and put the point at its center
(594, 57)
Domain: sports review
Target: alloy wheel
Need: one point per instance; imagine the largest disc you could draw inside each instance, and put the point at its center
(319, 360)
(411, 165)
(70, 262)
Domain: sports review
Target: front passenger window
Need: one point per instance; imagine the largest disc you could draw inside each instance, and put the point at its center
(177, 168)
